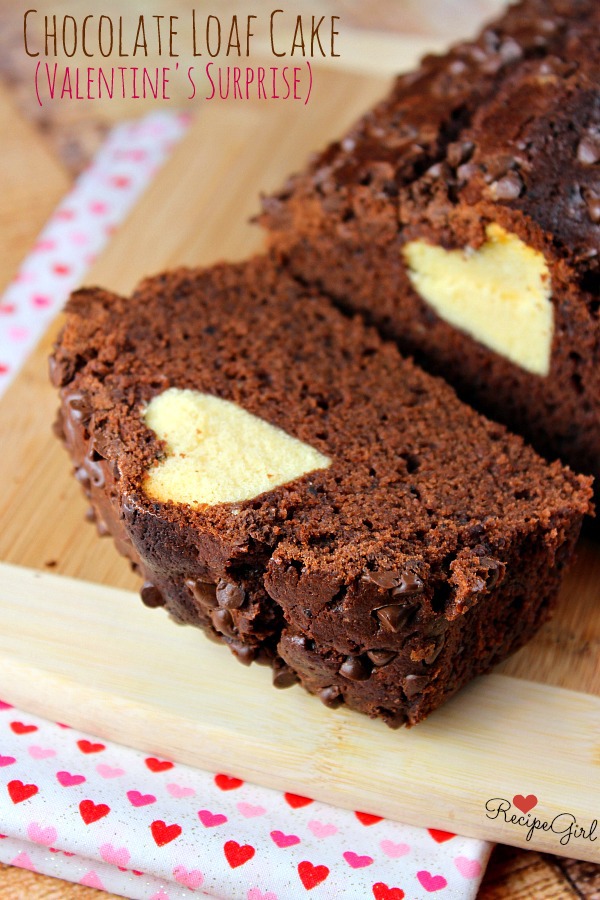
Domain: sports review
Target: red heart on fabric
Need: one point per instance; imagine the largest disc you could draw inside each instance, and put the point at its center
(21, 728)
(164, 834)
(90, 747)
(439, 836)
(158, 765)
(310, 875)
(368, 818)
(91, 812)
(238, 854)
(18, 792)
(227, 782)
(296, 801)
(525, 803)
(382, 892)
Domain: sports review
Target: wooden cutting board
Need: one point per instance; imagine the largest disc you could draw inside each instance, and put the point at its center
(82, 652)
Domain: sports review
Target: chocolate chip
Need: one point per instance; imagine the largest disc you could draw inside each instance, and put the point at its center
(383, 579)
(409, 584)
(394, 618)
(437, 626)
(79, 406)
(492, 570)
(381, 657)
(414, 684)
(203, 593)
(507, 188)
(592, 201)
(284, 677)
(223, 622)
(151, 595)
(459, 152)
(354, 669)
(229, 595)
(331, 697)
(588, 149)
(433, 653)
(243, 652)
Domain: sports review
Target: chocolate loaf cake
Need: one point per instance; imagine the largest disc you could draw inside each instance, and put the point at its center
(281, 477)
(461, 216)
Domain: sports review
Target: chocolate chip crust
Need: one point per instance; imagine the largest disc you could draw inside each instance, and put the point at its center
(430, 548)
(502, 131)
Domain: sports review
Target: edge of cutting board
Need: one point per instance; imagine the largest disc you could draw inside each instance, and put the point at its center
(121, 671)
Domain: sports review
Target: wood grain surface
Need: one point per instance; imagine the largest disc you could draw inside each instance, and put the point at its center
(72, 138)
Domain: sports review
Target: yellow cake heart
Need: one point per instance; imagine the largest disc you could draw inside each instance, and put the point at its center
(499, 294)
(218, 452)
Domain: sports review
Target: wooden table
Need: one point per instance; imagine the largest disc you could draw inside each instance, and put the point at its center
(55, 144)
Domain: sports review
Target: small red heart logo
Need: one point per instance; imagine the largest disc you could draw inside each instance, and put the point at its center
(525, 803)
(227, 782)
(367, 818)
(61, 269)
(439, 836)
(20, 728)
(158, 765)
(310, 875)
(382, 892)
(89, 747)
(164, 834)
(236, 854)
(18, 792)
(296, 801)
(91, 812)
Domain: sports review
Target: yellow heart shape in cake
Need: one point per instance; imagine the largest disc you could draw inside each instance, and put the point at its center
(218, 452)
(499, 294)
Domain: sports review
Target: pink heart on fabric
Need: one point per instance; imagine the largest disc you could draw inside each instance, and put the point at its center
(108, 771)
(431, 882)
(321, 829)
(7, 761)
(249, 811)
(469, 868)
(92, 880)
(191, 879)
(18, 333)
(7, 309)
(98, 208)
(211, 820)
(40, 301)
(68, 780)
(160, 895)
(256, 894)
(178, 791)
(23, 861)
(137, 799)
(116, 856)
(284, 840)
(40, 835)
(393, 850)
(40, 752)
(356, 861)
(45, 244)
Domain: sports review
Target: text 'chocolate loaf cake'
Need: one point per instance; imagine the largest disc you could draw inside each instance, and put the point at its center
(462, 216)
(283, 478)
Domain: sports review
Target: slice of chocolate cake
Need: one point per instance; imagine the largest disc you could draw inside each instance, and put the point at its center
(462, 217)
(283, 478)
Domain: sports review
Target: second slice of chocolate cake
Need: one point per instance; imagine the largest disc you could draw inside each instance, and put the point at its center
(283, 478)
